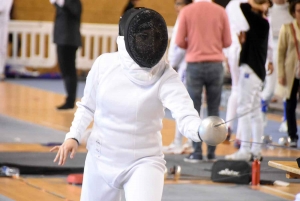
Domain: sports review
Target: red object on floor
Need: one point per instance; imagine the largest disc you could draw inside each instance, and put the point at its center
(255, 172)
(75, 178)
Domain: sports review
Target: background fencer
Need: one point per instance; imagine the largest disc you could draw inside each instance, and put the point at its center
(5, 7)
(252, 74)
(238, 25)
(176, 58)
(126, 93)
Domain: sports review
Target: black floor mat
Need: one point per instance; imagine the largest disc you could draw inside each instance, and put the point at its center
(42, 164)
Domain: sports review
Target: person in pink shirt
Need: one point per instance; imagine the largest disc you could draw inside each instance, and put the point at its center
(204, 31)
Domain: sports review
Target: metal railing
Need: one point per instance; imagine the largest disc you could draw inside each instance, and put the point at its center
(32, 43)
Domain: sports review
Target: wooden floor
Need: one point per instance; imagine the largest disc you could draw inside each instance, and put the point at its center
(38, 106)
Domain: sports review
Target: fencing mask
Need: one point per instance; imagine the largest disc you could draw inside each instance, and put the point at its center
(145, 34)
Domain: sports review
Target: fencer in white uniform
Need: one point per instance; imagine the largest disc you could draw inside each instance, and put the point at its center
(238, 24)
(253, 59)
(176, 58)
(127, 102)
(5, 7)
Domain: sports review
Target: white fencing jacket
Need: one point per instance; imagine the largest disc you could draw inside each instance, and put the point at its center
(127, 104)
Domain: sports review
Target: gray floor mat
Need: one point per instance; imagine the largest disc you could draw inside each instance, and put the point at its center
(16, 131)
(40, 159)
(3, 198)
(194, 192)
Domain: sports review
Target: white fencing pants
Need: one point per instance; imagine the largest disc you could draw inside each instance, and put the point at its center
(251, 125)
(143, 180)
(271, 80)
(233, 61)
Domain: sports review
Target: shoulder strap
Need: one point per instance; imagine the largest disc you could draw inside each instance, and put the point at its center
(295, 39)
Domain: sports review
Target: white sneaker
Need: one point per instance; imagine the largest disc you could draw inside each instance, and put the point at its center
(173, 149)
(283, 127)
(256, 156)
(239, 155)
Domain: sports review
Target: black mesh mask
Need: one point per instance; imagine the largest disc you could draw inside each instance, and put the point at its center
(145, 34)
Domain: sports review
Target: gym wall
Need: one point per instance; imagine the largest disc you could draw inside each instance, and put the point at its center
(94, 11)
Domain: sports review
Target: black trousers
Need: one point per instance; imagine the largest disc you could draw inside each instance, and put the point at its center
(291, 105)
(66, 60)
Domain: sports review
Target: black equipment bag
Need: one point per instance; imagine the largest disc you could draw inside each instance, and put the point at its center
(228, 171)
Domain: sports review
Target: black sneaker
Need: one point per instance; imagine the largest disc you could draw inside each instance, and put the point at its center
(65, 107)
(211, 158)
(193, 158)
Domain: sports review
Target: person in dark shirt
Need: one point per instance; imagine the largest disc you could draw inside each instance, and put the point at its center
(252, 74)
(67, 38)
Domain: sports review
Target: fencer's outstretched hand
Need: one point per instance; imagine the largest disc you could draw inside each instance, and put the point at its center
(69, 146)
(213, 130)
